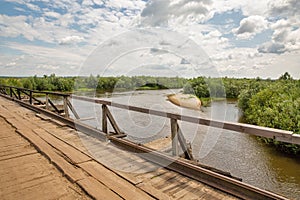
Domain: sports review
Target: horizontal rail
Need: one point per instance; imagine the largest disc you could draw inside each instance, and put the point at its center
(277, 134)
(36, 91)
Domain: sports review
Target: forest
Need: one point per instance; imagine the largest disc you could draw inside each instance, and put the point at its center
(264, 102)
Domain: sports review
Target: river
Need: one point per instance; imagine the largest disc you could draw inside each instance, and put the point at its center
(238, 153)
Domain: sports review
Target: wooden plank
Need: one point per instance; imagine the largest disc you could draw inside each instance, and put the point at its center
(31, 162)
(50, 188)
(27, 176)
(21, 161)
(113, 181)
(11, 141)
(130, 177)
(43, 117)
(32, 176)
(147, 187)
(70, 152)
(74, 174)
(15, 153)
(97, 190)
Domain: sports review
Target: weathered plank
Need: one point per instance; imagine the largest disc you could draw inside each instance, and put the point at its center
(97, 190)
(70, 152)
(30, 176)
(113, 181)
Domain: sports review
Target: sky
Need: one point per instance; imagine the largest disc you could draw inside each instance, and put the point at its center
(231, 38)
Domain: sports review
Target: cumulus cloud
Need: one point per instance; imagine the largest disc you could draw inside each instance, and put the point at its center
(71, 40)
(286, 32)
(272, 47)
(251, 26)
(284, 8)
(161, 12)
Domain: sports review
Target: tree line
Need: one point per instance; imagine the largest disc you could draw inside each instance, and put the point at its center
(69, 84)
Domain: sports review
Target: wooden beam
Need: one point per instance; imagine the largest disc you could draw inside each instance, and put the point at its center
(52, 104)
(72, 109)
(66, 110)
(174, 137)
(47, 102)
(19, 94)
(113, 122)
(104, 119)
(14, 94)
(186, 148)
(31, 97)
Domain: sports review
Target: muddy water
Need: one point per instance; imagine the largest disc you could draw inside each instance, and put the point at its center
(238, 153)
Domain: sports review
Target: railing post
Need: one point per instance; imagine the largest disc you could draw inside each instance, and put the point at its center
(47, 101)
(104, 119)
(30, 97)
(174, 137)
(10, 91)
(66, 106)
(19, 94)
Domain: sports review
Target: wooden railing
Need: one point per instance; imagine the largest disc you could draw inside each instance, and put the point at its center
(277, 134)
(35, 97)
(176, 133)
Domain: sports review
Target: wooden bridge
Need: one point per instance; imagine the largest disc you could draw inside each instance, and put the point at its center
(55, 135)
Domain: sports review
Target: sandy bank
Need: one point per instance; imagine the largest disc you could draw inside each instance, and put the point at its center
(185, 100)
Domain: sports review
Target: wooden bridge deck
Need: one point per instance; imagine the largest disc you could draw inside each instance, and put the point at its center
(100, 169)
(26, 174)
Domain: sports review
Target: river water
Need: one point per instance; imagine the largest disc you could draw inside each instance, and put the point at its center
(238, 153)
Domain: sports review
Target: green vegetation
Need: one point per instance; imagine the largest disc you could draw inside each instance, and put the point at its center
(67, 84)
(269, 103)
(45, 83)
(276, 105)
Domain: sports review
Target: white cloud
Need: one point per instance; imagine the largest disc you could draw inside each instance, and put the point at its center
(10, 64)
(272, 47)
(284, 8)
(48, 67)
(250, 26)
(248, 8)
(32, 7)
(162, 13)
(286, 33)
(52, 14)
(71, 40)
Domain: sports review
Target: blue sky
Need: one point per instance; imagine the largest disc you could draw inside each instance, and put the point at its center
(240, 38)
